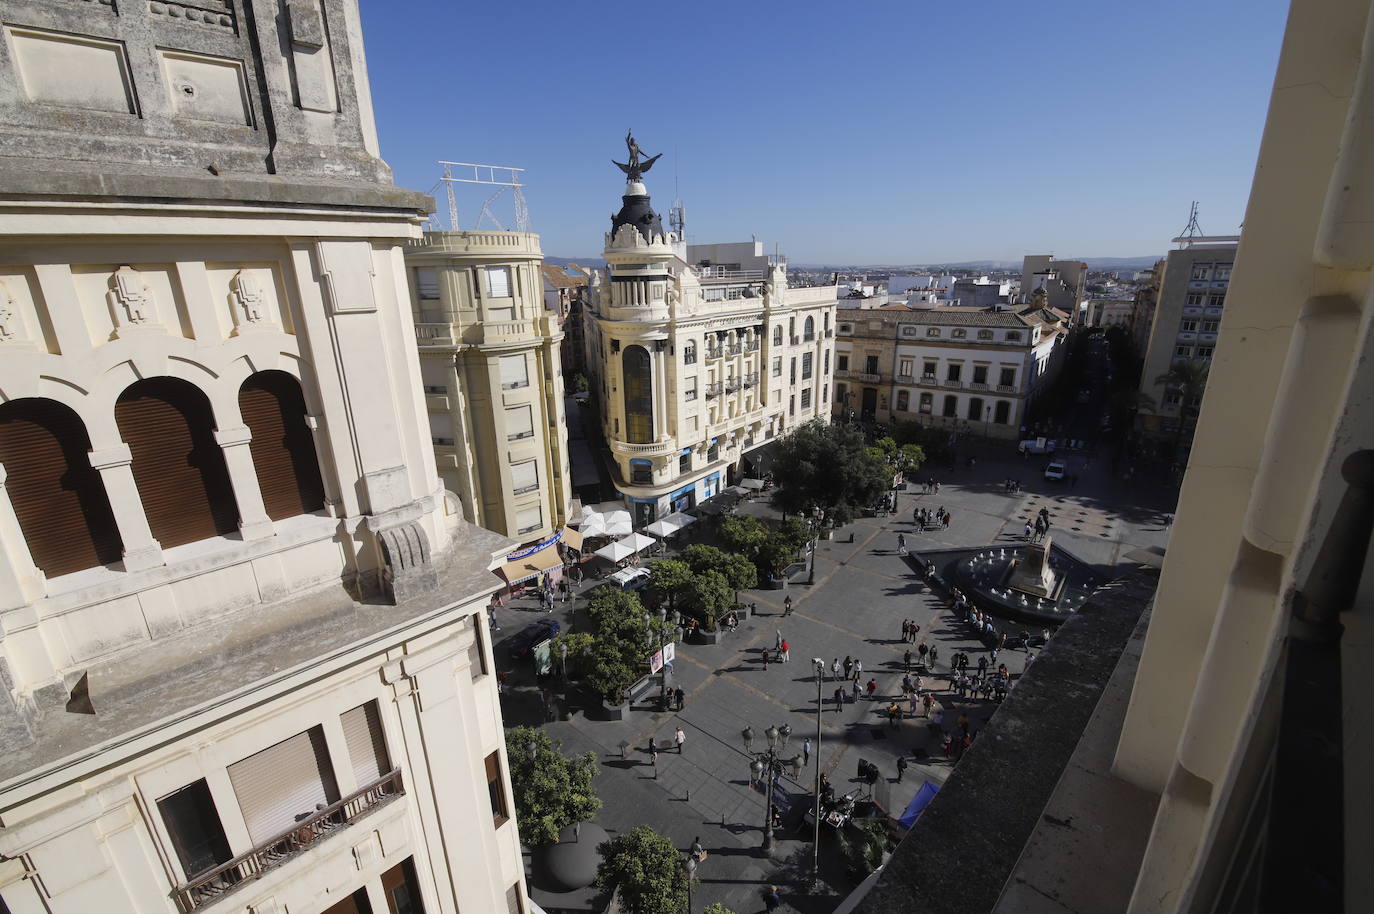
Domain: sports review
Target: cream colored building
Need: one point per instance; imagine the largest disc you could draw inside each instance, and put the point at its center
(974, 370)
(243, 663)
(493, 382)
(697, 356)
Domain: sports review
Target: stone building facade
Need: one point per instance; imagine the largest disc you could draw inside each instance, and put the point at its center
(697, 357)
(973, 370)
(242, 660)
(490, 366)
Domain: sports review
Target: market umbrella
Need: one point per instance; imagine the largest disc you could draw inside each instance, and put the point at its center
(638, 542)
(754, 484)
(618, 523)
(615, 552)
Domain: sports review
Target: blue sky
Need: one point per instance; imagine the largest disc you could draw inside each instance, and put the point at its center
(866, 132)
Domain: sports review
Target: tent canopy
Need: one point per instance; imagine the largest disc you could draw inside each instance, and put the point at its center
(918, 804)
(754, 484)
(573, 538)
(638, 542)
(615, 552)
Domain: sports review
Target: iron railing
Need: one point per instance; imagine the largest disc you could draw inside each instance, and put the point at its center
(268, 855)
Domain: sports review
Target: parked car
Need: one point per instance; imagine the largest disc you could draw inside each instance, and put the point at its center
(523, 641)
(1054, 470)
(630, 578)
(1038, 446)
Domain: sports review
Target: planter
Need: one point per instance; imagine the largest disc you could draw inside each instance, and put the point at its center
(705, 637)
(614, 712)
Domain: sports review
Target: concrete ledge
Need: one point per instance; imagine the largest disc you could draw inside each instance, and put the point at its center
(966, 845)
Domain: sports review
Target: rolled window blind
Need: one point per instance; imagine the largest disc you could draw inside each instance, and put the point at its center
(362, 728)
(283, 784)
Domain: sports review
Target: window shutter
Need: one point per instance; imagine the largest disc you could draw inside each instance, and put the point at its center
(524, 476)
(498, 282)
(362, 727)
(519, 422)
(177, 464)
(513, 372)
(57, 495)
(283, 784)
(283, 449)
(427, 282)
(529, 519)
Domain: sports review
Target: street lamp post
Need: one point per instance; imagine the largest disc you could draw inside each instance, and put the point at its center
(816, 848)
(690, 865)
(767, 765)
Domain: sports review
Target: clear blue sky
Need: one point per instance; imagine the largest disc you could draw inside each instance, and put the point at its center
(858, 132)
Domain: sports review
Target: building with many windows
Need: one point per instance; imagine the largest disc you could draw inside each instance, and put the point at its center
(243, 663)
(966, 369)
(697, 357)
(493, 382)
(1188, 309)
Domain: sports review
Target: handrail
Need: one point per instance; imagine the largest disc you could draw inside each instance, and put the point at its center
(268, 855)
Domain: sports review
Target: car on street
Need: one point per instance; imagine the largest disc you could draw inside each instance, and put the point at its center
(1054, 470)
(523, 642)
(1038, 446)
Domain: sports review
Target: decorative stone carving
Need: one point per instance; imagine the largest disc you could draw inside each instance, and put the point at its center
(1033, 573)
(131, 302)
(218, 13)
(406, 568)
(252, 313)
(9, 315)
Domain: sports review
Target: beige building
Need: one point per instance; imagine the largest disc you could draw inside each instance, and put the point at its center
(243, 666)
(1064, 282)
(697, 357)
(493, 382)
(974, 370)
(1188, 310)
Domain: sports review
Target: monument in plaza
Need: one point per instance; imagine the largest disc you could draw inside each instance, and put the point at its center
(1032, 573)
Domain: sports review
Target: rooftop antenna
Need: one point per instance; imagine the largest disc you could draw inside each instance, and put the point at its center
(1192, 229)
(677, 213)
(503, 177)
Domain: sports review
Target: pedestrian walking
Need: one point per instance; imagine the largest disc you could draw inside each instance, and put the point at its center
(771, 899)
(858, 670)
(653, 760)
(491, 617)
(906, 628)
(934, 655)
(698, 852)
(901, 542)
(848, 667)
(680, 697)
(787, 606)
(835, 670)
(777, 640)
(927, 701)
(765, 659)
(948, 745)
(679, 738)
(806, 751)
(901, 767)
(922, 650)
(1028, 531)
(839, 700)
(947, 520)
(858, 690)
(786, 651)
(906, 660)
(872, 688)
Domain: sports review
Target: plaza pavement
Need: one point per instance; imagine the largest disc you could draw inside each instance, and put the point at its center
(863, 589)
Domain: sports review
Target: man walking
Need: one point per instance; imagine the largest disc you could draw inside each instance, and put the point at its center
(901, 542)
(848, 667)
(680, 697)
(806, 751)
(679, 737)
(835, 670)
(787, 606)
(906, 660)
(901, 767)
(785, 651)
(858, 670)
(839, 700)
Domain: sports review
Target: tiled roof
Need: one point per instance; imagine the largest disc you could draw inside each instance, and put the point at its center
(560, 278)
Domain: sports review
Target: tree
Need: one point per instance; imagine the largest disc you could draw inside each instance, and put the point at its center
(701, 557)
(827, 467)
(551, 791)
(579, 646)
(717, 908)
(740, 573)
(742, 533)
(667, 578)
(645, 870)
(612, 662)
(709, 597)
(910, 457)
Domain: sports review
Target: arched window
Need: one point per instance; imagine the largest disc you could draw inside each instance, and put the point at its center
(178, 466)
(689, 353)
(56, 493)
(639, 395)
(809, 329)
(283, 450)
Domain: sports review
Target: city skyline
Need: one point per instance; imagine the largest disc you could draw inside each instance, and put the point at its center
(983, 135)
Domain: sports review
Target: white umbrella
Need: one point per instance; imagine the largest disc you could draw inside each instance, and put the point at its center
(618, 523)
(751, 483)
(680, 520)
(662, 527)
(638, 542)
(595, 526)
(615, 552)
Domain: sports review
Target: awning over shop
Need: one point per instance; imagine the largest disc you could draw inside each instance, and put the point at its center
(572, 538)
(529, 566)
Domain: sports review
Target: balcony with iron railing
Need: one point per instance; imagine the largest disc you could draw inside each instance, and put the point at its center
(713, 390)
(210, 886)
(870, 378)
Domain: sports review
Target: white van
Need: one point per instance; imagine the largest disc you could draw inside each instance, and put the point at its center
(1054, 470)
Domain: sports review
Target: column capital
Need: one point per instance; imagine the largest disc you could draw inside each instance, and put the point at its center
(117, 456)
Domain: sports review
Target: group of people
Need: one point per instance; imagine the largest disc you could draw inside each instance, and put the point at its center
(1011, 486)
(924, 519)
(909, 630)
(930, 487)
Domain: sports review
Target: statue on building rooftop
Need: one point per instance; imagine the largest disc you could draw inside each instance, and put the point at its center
(635, 168)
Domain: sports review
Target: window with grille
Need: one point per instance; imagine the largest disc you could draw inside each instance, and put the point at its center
(925, 403)
(777, 367)
(953, 370)
(514, 372)
(959, 333)
(809, 329)
(777, 335)
(806, 365)
(498, 281)
(1013, 336)
(519, 423)
(689, 354)
(980, 374)
(58, 497)
(871, 364)
(842, 362)
(903, 401)
(362, 727)
(806, 398)
(283, 784)
(524, 477)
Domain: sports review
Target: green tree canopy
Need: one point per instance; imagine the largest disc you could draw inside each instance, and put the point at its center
(667, 578)
(551, 791)
(717, 908)
(910, 457)
(740, 573)
(612, 662)
(646, 871)
(742, 533)
(828, 467)
(709, 597)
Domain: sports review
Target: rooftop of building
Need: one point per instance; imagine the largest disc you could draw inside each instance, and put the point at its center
(198, 670)
(991, 316)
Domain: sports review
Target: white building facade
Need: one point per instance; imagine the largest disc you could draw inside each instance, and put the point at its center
(697, 357)
(243, 665)
(972, 370)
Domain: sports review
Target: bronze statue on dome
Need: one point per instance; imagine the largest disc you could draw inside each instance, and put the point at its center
(635, 168)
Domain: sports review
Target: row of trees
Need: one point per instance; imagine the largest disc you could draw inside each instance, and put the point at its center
(609, 658)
